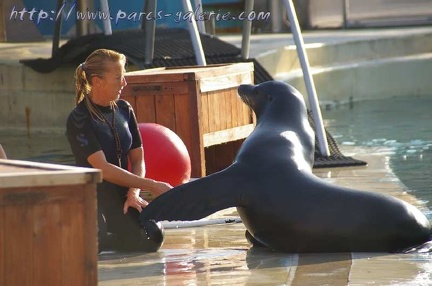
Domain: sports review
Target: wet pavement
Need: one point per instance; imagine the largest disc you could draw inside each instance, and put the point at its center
(219, 254)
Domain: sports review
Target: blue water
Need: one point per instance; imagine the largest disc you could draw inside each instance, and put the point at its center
(403, 125)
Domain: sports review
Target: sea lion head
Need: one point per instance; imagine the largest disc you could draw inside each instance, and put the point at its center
(271, 94)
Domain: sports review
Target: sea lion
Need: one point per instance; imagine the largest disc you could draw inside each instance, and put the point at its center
(283, 205)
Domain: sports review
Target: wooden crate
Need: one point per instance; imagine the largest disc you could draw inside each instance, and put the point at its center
(200, 104)
(48, 224)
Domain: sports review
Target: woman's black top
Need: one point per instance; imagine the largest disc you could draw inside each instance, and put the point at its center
(88, 135)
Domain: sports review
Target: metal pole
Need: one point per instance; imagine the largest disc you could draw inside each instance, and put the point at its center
(345, 7)
(106, 20)
(81, 27)
(199, 9)
(247, 28)
(310, 87)
(57, 29)
(150, 27)
(195, 37)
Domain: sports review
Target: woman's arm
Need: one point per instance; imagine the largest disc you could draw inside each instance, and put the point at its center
(119, 176)
(136, 159)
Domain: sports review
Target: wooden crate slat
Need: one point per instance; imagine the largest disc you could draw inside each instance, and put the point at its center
(18, 245)
(72, 242)
(227, 135)
(2, 247)
(145, 108)
(27, 196)
(215, 112)
(154, 88)
(183, 119)
(229, 101)
(205, 112)
(225, 156)
(90, 236)
(165, 111)
(47, 240)
(197, 155)
(210, 160)
(151, 76)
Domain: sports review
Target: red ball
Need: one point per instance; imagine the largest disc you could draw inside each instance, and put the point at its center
(165, 155)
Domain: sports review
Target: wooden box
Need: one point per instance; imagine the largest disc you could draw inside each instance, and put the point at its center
(200, 104)
(48, 226)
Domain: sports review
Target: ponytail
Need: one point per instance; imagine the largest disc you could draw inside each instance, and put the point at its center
(96, 64)
(82, 86)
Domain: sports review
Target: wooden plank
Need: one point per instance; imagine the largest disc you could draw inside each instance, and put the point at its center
(9, 165)
(90, 235)
(227, 135)
(247, 114)
(198, 168)
(184, 124)
(204, 112)
(155, 88)
(18, 245)
(16, 173)
(223, 109)
(229, 102)
(47, 258)
(224, 73)
(165, 111)
(139, 77)
(243, 109)
(209, 160)
(35, 179)
(214, 83)
(72, 217)
(145, 108)
(32, 196)
(214, 112)
(2, 247)
(235, 112)
(224, 156)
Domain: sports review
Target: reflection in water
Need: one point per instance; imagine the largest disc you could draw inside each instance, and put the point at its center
(235, 263)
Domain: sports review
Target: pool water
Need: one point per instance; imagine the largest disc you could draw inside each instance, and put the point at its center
(402, 126)
(40, 146)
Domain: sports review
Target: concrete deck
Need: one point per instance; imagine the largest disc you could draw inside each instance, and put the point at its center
(220, 255)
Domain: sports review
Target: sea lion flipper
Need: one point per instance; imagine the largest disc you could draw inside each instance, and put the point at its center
(196, 199)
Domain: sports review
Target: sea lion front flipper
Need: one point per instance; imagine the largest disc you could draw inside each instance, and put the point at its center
(199, 198)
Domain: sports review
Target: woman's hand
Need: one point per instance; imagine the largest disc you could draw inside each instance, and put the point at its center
(159, 188)
(134, 200)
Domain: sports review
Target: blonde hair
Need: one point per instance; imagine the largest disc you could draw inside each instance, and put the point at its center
(96, 64)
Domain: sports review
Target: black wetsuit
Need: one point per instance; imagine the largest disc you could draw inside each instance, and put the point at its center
(87, 136)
